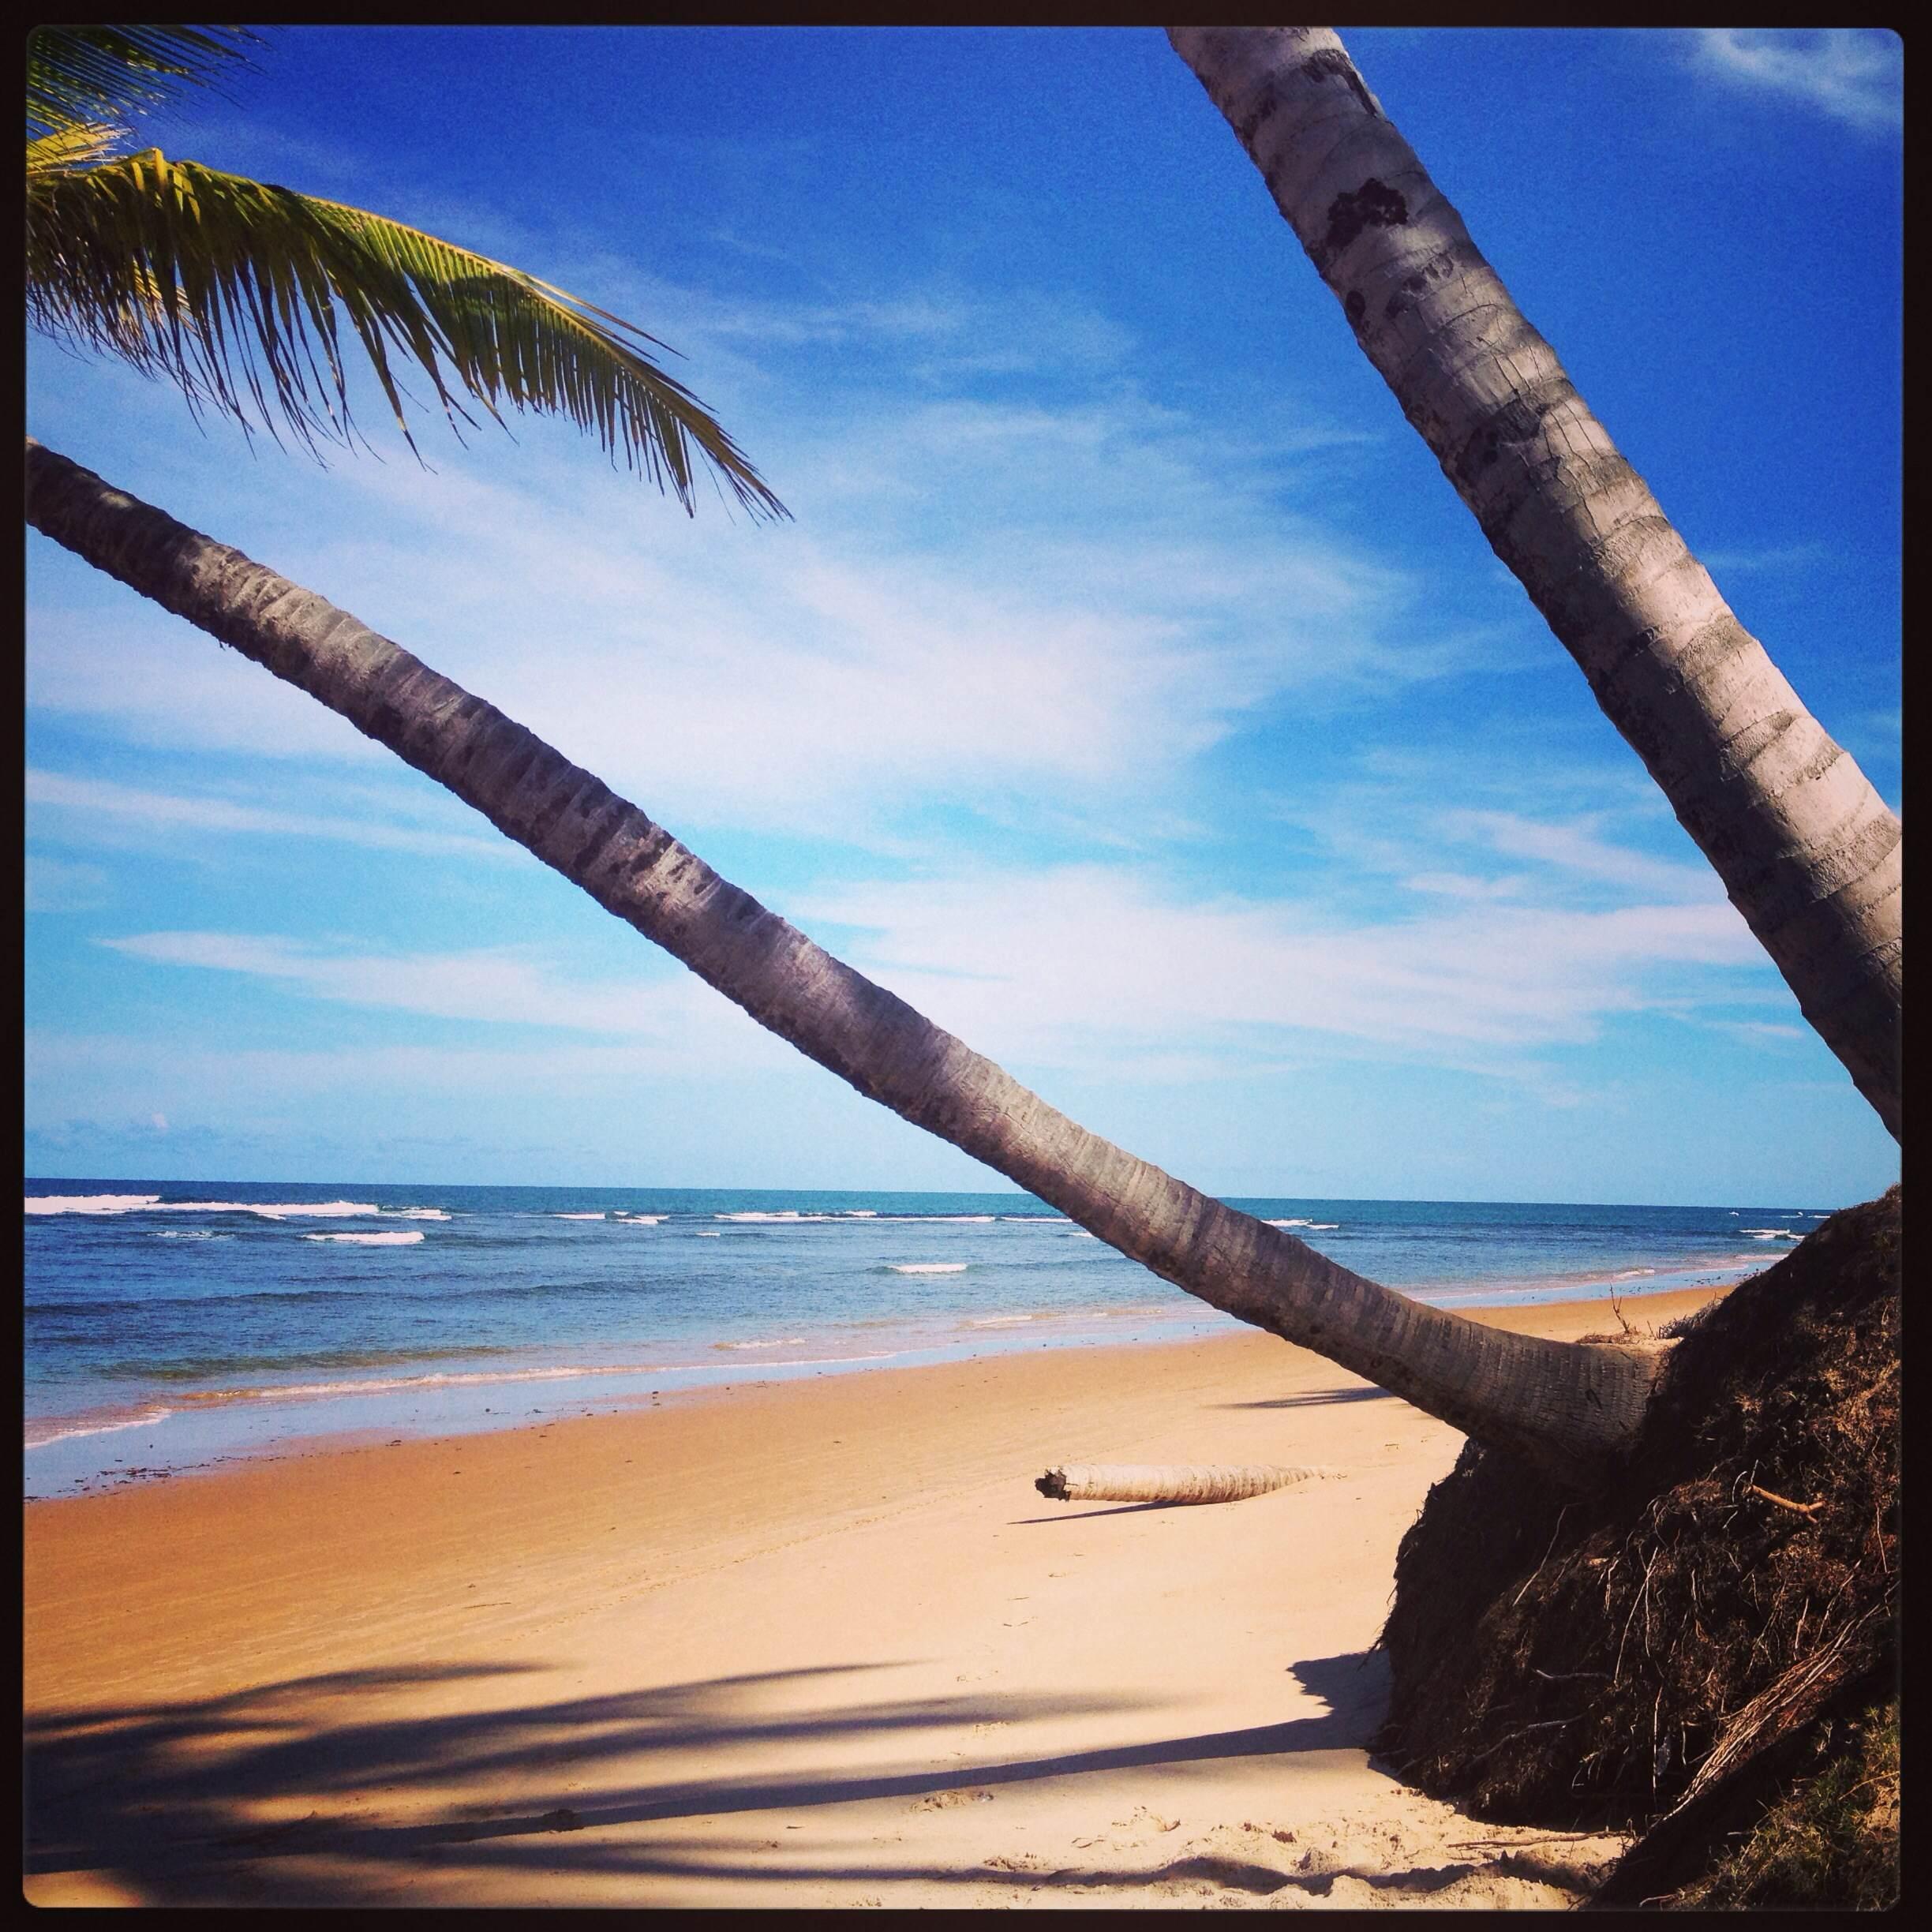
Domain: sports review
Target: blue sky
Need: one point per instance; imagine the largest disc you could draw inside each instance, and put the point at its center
(1131, 692)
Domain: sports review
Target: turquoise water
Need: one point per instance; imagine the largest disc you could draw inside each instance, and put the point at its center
(169, 1324)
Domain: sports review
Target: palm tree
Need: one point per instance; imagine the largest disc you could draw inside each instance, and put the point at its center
(195, 297)
(1806, 849)
(1568, 1406)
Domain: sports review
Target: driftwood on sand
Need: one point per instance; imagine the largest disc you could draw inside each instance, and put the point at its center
(1135, 1482)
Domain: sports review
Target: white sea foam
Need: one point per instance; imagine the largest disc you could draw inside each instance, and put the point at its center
(781, 1214)
(60, 1428)
(418, 1214)
(277, 1211)
(1771, 1233)
(86, 1204)
(927, 1267)
(859, 1214)
(775, 1342)
(1293, 1221)
(1631, 1274)
(1081, 1234)
(709, 1234)
(153, 1204)
(1323, 1227)
(1040, 1220)
(638, 1220)
(384, 1385)
(577, 1217)
(833, 1361)
(379, 1385)
(371, 1241)
(999, 1321)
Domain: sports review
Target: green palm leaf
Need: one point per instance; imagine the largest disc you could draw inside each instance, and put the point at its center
(233, 288)
(82, 76)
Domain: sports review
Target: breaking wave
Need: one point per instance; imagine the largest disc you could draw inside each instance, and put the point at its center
(371, 1241)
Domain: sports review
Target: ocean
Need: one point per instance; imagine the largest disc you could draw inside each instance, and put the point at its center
(172, 1325)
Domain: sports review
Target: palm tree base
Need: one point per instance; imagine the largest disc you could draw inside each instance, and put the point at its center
(1663, 1653)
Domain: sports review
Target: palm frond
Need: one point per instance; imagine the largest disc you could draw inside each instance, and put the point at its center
(234, 290)
(82, 144)
(77, 75)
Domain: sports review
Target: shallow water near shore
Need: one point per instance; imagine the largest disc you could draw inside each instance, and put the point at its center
(170, 1325)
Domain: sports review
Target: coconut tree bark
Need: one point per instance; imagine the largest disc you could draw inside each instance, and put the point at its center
(1808, 851)
(1571, 1408)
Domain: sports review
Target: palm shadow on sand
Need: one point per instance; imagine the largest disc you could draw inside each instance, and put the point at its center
(162, 1798)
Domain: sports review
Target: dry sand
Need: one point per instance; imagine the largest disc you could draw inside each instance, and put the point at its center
(810, 1644)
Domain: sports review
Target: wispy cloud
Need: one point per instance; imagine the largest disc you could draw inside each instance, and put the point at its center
(153, 680)
(664, 1007)
(1740, 562)
(1578, 848)
(1448, 822)
(1060, 600)
(1095, 966)
(56, 885)
(1091, 958)
(1854, 74)
(85, 808)
(1760, 1032)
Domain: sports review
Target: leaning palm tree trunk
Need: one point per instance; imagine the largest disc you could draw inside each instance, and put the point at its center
(1806, 849)
(1571, 1408)
(1145, 1482)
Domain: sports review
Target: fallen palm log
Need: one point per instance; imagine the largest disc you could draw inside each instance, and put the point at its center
(1135, 1482)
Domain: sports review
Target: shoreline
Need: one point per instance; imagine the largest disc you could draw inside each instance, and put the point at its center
(816, 1642)
(68, 1453)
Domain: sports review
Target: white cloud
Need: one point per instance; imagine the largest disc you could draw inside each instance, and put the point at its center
(159, 682)
(942, 646)
(1443, 821)
(89, 809)
(1576, 848)
(1080, 963)
(1854, 74)
(1096, 966)
(982, 600)
(665, 1007)
(1757, 1032)
(1739, 562)
(1463, 885)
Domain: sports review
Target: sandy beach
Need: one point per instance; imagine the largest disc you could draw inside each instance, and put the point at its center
(809, 1644)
